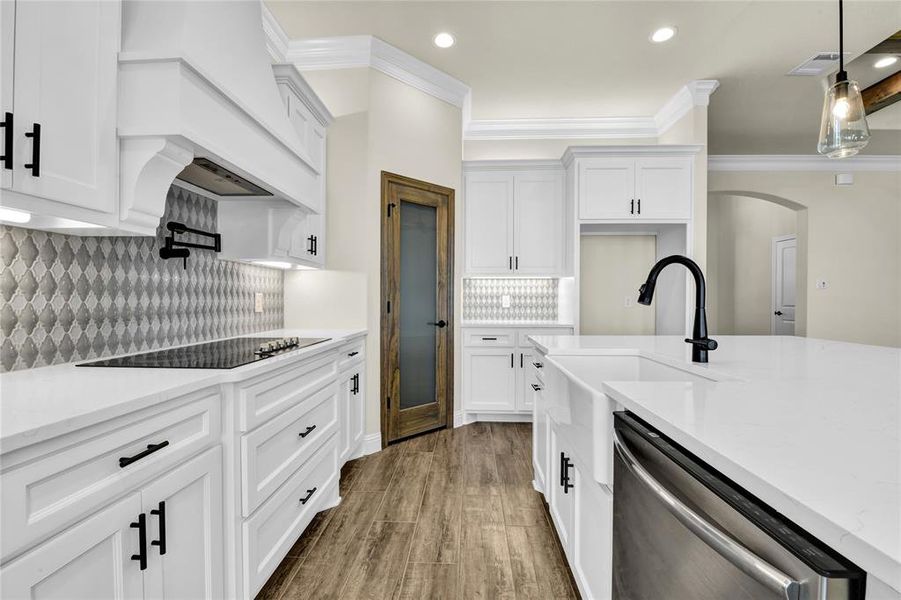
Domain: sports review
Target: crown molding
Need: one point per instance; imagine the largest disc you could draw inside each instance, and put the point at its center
(574, 152)
(803, 162)
(564, 128)
(358, 51)
(506, 165)
(276, 39)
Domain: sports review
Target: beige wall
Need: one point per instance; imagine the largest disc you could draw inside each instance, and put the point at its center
(404, 131)
(740, 232)
(852, 242)
(608, 268)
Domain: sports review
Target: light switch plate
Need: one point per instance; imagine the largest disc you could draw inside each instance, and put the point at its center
(258, 302)
(628, 302)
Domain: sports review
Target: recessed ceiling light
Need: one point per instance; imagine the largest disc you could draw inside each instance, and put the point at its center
(444, 40)
(886, 61)
(663, 34)
(11, 215)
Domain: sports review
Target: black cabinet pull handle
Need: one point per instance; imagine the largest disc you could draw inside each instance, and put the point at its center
(562, 469)
(352, 353)
(307, 432)
(520, 360)
(161, 513)
(510, 259)
(151, 448)
(7, 125)
(315, 245)
(517, 263)
(310, 249)
(489, 339)
(35, 164)
(356, 389)
(141, 526)
(309, 495)
(511, 359)
(567, 463)
(536, 387)
(537, 365)
(632, 207)
(639, 206)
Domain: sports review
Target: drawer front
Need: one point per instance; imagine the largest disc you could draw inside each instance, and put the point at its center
(351, 354)
(43, 496)
(270, 533)
(499, 338)
(272, 452)
(273, 393)
(523, 335)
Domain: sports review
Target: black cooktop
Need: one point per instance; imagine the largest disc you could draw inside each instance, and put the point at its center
(223, 354)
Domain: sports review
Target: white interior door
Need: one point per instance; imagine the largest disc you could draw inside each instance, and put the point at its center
(785, 267)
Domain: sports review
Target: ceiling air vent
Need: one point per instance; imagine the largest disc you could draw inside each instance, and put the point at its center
(819, 65)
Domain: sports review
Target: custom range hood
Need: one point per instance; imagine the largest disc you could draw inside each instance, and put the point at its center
(198, 100)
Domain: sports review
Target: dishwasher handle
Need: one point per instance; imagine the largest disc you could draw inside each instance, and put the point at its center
(727, 547)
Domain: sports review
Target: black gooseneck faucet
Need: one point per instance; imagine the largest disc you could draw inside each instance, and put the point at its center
(700, 343)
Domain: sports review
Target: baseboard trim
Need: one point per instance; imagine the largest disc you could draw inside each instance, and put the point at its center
(372, 443)
(472, 417)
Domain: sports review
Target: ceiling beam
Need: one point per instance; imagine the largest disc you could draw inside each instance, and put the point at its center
(881, 94)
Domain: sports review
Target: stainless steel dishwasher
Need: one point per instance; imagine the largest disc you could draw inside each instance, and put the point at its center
(682, 531)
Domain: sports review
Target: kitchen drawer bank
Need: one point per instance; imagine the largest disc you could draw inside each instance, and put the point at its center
(199, 495)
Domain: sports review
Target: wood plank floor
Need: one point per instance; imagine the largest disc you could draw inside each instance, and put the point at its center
(450, 514)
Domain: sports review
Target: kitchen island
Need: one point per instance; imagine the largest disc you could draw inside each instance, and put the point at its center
(810, 427)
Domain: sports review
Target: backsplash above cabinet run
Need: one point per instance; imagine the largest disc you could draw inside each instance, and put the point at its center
(69, 298)
(530, 300)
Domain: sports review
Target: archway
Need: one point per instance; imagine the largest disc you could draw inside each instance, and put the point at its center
(741, 226)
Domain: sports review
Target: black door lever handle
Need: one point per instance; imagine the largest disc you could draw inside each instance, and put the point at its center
(441, 323)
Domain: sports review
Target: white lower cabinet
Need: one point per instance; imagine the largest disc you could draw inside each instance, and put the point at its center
(164, 541)
(184, 530)
(352, 408)
(581, 508)
(90, 560)
(496, 367)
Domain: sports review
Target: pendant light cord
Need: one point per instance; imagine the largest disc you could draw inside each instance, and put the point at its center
(842, 76)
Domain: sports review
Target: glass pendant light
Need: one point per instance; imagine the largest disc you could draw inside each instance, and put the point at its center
(843, 127)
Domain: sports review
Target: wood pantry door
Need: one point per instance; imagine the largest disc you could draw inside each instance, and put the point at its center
(417, 307)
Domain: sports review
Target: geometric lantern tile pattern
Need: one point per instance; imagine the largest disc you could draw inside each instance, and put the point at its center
(69, 298)
(530, 300)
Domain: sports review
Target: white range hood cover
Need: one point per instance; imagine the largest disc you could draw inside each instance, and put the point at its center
(195, 80)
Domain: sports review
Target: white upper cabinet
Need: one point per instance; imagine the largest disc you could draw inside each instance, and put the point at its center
(656, 187)
(489, 222)
(538, 223)
(514, 222)
(64, 101)
(606, 188)
(663, 187)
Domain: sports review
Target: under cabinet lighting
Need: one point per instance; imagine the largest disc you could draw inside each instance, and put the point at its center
(886, 61)
(11, 215)
(663, 34)
(444, 40)
(275, 264)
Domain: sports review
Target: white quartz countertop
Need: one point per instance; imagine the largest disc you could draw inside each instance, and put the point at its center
(39, 404)
(809, 426)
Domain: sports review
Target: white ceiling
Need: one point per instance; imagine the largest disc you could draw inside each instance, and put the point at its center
(593, 59)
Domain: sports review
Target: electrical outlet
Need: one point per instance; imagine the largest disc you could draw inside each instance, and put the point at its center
(258, 302)
(822, 284)
(628, 302)
(505, 301)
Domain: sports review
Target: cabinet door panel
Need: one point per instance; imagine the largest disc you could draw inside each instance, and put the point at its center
(593, 537)
(345, 399)
(7, 46)
(606, 188)
(358, 412)
(65, 79)
(664, 187)
(524, 380)
(490, 382)
(560, 499)
(489, 222)
(90, 560)
(192, 566)
(538, 232)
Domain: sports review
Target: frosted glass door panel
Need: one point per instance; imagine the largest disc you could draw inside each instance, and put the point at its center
(418, 303)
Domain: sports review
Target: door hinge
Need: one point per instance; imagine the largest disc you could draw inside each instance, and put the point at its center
(389, 306)
(388, 402)
(391, 206)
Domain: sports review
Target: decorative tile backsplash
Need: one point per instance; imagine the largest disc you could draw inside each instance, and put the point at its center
(531, 300)
(68, 298)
